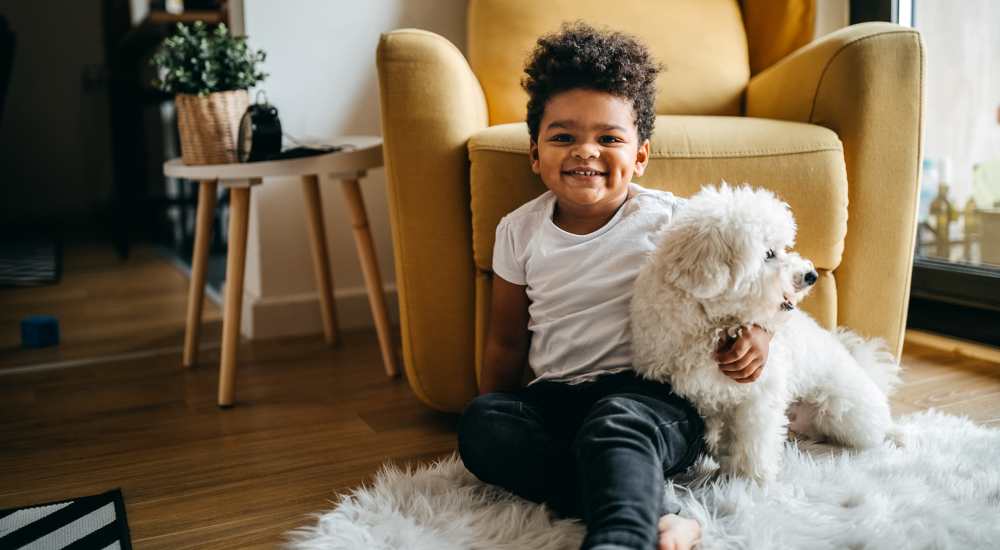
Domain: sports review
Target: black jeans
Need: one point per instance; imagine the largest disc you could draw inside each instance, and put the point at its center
(598, 450)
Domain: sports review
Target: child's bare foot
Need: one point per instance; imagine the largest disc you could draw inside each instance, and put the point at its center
(678, 533)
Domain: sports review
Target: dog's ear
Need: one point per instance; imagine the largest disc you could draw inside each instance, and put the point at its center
(746, 258)
(696, 259)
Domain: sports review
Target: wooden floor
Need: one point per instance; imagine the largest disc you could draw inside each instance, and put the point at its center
(309, 421)
(105, 306)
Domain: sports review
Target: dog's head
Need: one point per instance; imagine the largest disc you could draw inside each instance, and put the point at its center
(728, 248)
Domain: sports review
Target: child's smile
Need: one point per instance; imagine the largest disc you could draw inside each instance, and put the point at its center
(587, 152)
(584, 175)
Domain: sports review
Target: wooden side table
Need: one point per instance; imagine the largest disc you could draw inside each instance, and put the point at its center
(348, 166)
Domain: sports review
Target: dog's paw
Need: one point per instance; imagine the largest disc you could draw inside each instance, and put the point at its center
(758, 473)
(766, 475)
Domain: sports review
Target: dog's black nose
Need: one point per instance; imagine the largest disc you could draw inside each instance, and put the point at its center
(810, 278)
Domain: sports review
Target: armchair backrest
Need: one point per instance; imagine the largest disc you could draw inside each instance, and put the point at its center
(701, 43)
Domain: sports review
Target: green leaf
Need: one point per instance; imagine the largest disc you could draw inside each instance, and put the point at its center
(202, 59)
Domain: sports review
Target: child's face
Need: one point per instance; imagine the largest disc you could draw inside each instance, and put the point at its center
(587, 129)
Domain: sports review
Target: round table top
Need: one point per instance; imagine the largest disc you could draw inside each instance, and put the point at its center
(367, 153)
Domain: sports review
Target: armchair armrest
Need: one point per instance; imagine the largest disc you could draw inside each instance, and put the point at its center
(864, 82)
(431, 103)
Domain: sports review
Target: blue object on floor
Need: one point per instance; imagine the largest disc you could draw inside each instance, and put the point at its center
(39, 331)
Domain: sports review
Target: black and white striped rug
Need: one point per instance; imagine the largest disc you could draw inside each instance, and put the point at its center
(85, 523)
(30, 263)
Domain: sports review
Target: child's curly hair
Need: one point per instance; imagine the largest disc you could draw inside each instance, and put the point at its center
(580, 56)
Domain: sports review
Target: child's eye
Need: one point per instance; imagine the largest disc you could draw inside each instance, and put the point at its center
(609, 139)
(561, 137)
(770, 255)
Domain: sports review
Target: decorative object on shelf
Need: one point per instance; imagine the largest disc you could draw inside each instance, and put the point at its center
(954, 233)
(970, 227)
(942, 213)
(260, 132)
(989, 234)
(210, 71)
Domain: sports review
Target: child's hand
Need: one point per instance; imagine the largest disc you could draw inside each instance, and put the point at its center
(743, 359)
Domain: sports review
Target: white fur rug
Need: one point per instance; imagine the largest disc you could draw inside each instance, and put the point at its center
(942, 490)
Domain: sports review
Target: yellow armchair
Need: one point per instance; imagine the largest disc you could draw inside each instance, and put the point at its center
(834, 128)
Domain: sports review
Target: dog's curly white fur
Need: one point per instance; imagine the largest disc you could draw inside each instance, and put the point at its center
(724, 263)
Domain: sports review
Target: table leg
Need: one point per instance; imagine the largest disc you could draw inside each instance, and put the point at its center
(369, 266)
(199, 259)
(239, 213)
(321, 261)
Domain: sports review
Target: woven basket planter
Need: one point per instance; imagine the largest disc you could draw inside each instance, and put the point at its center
(209, 125)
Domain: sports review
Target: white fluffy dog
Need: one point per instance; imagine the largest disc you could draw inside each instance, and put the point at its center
(724, 263)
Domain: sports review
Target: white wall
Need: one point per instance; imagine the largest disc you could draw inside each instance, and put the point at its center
(831, 15)
(321, 62)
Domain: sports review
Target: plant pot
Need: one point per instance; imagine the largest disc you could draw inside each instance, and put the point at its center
(209, 125)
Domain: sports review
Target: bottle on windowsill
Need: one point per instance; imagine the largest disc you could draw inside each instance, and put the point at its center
(970, 229)
(941, 214)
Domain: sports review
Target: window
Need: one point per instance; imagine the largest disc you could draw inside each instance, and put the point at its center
(960, 184)
(956, 278)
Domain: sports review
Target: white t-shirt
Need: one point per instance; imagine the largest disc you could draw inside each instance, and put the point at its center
(580, 286)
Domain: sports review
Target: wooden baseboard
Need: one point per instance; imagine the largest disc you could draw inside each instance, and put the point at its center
(299, 314)
(965, 348)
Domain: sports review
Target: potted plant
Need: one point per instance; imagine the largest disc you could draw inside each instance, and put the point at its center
(209, 71)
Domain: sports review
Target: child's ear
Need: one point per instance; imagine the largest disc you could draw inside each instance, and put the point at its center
(642, 158)
(533, 154)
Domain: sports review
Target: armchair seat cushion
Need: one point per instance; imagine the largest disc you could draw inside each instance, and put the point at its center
(802, 163)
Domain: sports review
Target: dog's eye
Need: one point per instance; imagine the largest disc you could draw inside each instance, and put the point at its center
(770, 255)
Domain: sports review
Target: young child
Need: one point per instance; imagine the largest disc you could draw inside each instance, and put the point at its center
(587, 435)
